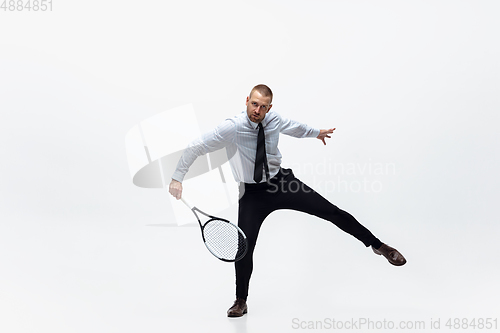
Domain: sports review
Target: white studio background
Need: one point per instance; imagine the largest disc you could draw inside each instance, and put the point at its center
(411, 86)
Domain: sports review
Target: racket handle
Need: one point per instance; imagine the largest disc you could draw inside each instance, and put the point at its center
(187, 203)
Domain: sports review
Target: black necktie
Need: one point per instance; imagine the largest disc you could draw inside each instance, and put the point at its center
(260, 157)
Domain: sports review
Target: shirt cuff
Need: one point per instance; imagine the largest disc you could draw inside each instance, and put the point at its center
(178, 176)
(315, 133)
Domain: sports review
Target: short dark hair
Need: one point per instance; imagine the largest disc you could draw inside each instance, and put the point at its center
(263, 90)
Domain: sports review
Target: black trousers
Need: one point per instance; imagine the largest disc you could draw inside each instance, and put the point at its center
(284, 191)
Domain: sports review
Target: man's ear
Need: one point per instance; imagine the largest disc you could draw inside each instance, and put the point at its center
(248, 98)
(269, 109)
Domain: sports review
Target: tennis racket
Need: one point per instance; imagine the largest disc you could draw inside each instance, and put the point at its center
(225, 240)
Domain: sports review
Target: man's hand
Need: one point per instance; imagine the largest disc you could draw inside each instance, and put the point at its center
(175, 189)
(324, 134)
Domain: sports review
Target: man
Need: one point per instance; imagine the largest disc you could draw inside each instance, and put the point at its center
(251, 142)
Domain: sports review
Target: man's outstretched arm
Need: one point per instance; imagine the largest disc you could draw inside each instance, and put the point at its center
(323, 134)
(210, 141)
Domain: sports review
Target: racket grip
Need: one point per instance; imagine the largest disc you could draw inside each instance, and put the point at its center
(187, 203)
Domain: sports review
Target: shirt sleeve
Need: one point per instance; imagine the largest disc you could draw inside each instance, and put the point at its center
(209, 142)
(297, 129)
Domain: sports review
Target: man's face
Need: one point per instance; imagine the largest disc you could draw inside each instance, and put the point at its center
(258, 106)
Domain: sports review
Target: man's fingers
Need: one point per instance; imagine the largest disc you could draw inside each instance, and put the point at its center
(178, 194)
(175, 189)
(324, 134)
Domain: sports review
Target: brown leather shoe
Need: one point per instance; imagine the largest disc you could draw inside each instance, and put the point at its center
(238, 309)
(391, 254)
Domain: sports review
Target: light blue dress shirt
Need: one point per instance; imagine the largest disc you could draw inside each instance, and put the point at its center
(239, 136)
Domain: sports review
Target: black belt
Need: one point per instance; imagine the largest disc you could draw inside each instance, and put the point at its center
(282, 173)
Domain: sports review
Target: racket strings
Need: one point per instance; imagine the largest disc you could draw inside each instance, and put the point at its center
(224, 240)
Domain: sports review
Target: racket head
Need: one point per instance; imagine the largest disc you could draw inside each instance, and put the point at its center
(225, 240)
